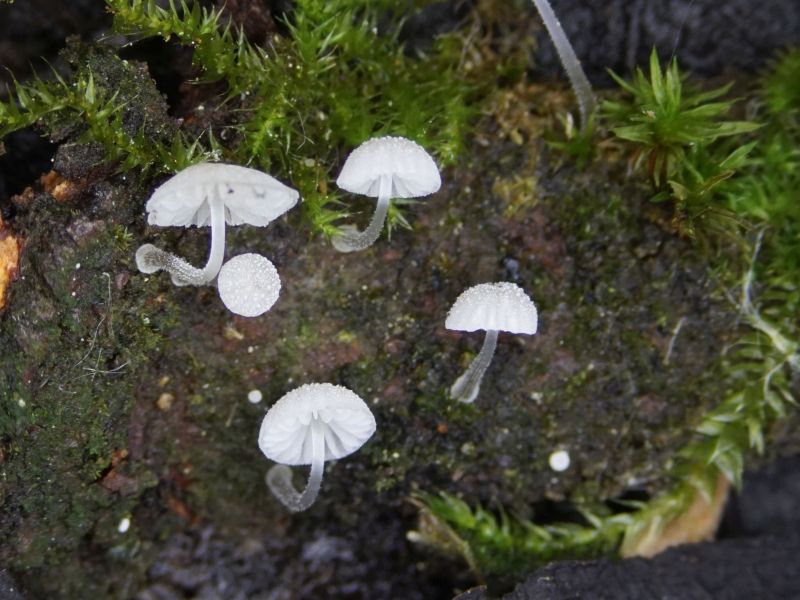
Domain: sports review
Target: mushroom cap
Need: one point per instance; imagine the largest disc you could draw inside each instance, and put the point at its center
(501, 306)
(249, 285)
(250, 196)
(410, 167)
(285, 435)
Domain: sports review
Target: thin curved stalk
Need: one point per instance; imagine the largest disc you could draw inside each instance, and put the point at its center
(353, 240)
(279, 477)
(578, 79)
(150, 258)
(466, 388)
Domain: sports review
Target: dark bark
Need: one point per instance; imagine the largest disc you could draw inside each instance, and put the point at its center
(730, 570)
(708, 37)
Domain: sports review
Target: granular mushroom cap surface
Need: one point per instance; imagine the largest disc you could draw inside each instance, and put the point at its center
(494, 306)
(249, 285)
(411, 168)
(250, 196)
(285, 434)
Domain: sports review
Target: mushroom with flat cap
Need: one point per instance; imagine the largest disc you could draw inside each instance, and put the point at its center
(309, 425)
(493, 307)
(249, 285)
(210, 194)
(384, 168)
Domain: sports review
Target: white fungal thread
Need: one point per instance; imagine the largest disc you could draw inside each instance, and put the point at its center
(671, 345)
(572, 66)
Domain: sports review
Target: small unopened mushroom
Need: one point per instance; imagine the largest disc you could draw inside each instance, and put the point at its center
(492, 307)
(309, 425)
(559, 461)
(249, 285)
(384, 168)
(210, 194)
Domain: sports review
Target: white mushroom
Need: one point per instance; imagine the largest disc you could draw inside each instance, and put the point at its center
(493, 307)
(384, 168)
(210, 194)
(124, 525)
(309, 425)
(249, 285)
(559, 461)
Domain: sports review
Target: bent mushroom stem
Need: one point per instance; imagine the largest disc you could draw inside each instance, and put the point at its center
(351, 241)
(466, 388)
(279, 477)
(150, 258)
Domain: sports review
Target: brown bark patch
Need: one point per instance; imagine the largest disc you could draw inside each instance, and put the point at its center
(10, 251)
(62, 189)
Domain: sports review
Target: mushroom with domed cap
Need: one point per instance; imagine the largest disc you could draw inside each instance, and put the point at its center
(210, 194)
(248, 285)
(384, 168)
(309, 425)
(492, 307)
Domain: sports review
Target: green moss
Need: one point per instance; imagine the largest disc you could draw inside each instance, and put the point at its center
(683, 139)
(333, 82)
(768, 191)
(502, 547)
(578, 144)
(106, 101)
(71, 363)
(664, 118)
(782, 87)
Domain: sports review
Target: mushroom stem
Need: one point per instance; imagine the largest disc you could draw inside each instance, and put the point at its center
(351, 240)
(466, 387)
(150, 258)
(279, 477)
(578, 79)
(217, 253)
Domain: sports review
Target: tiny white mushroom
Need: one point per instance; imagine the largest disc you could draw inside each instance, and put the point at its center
(384, 168)
(124, 525)
(309, 425)
(559, 461)
(249, 285)
(210, 194)
(492, 307)
(254, 396)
